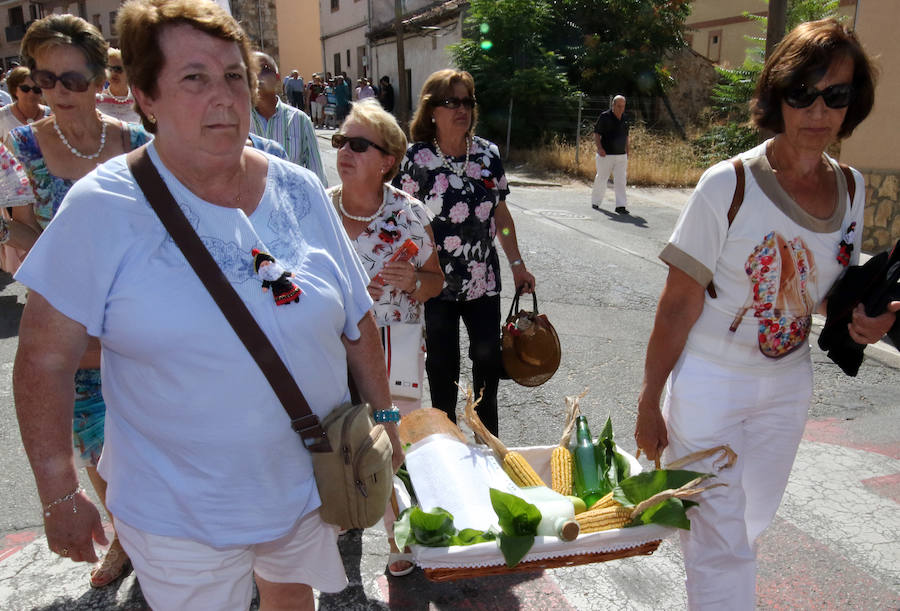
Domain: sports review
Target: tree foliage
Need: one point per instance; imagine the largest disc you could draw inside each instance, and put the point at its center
(617, 46)
(539, 51)
(504, 47)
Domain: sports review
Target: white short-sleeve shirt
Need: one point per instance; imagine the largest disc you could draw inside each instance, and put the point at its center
(197, 444)
(770, 269)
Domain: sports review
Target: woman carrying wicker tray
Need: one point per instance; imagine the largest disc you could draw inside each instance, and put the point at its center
(740, 367)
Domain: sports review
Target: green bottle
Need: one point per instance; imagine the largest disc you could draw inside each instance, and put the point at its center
(587, 476)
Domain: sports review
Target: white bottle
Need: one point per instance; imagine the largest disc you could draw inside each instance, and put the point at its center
(557, 512)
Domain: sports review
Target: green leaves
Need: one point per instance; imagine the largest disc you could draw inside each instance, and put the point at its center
(434, 529)
(517, 516)
(671, 512)
(519, 520)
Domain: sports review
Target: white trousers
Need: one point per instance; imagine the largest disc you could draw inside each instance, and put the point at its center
(316, 110)
(618, 166)
(762, 418)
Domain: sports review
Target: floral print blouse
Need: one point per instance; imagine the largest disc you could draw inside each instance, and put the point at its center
(49, 190)
(13, 180)
(463, 208)
(403, 218)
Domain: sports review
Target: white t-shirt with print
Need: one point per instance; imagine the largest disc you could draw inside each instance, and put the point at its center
(775, 260)
(197, 444)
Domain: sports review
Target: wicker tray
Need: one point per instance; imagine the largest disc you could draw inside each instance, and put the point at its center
(485, 559)
(452, 574)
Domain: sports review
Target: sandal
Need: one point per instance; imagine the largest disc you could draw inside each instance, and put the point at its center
(115, 564)
(394, 558)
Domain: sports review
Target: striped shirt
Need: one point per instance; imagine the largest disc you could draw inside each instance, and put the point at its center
(293, 130)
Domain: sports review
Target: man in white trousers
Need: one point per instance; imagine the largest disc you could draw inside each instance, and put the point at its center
(611, 137)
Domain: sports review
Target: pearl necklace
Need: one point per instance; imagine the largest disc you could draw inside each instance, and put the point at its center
(74, 150)
(353, 217)
(446, 162)
(120, 99)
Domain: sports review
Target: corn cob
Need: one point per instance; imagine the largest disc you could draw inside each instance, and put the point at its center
(513, 463)
(561, 466)
(606, 501)
(606, 518)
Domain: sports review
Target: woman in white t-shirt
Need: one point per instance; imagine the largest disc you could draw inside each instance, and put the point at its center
(733, 320)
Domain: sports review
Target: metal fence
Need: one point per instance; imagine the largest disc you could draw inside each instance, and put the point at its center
(573, 121)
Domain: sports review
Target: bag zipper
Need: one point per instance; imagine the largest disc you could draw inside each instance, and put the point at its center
(376, 432)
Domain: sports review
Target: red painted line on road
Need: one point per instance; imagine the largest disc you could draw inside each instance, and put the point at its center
(835, 432)
(887, 486)
(799, 572)
(14, 542)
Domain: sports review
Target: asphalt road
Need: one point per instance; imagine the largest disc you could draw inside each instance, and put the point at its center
(833, 544)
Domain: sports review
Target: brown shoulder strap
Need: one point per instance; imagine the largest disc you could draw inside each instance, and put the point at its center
(736, 200)
(303, 420)
(851, 182)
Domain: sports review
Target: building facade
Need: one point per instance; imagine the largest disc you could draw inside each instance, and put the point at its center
(17, 15)
(359, 38)
(299, 47)
(723, 30)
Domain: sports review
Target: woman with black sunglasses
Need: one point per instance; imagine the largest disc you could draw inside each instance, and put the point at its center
(752, 257)
(67, 57)
(460, 178)
(26, 107)
(116, 99)
(391, 232)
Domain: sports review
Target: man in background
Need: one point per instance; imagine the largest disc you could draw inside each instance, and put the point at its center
(386, 93)
(286, 125)
(611, 138)
(293, 89)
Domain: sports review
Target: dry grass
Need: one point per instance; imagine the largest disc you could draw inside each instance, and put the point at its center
(656, 160)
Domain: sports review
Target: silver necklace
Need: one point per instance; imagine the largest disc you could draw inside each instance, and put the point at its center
(74, 150)
(353, 217)
(446, 162)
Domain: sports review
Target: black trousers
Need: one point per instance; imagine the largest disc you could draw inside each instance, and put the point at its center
(482, 319)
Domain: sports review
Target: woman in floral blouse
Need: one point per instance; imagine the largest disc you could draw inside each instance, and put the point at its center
(460, 178)
(380, 220)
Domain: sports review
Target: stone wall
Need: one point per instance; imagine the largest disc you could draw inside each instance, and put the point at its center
(881, 225)
(259, 20)
(694, 78)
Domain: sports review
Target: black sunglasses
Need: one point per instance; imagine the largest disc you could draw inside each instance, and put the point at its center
(26, 88)
(73, 81)
(265, 70)
(836, 96)
(454, 103)
(357, 145)
(117, 69)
